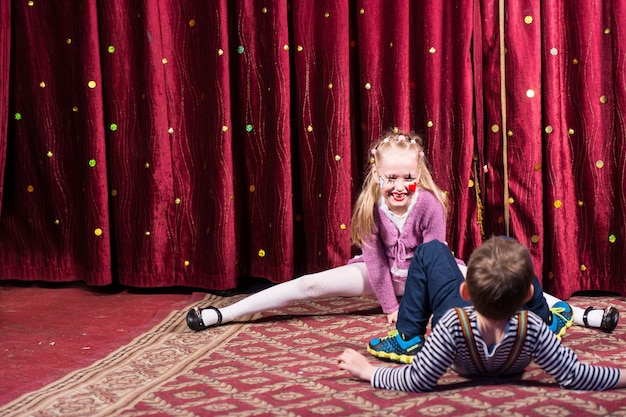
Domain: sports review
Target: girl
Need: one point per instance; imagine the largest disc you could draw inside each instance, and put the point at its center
(399, 207)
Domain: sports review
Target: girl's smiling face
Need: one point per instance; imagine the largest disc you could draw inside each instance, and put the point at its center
(397, 174)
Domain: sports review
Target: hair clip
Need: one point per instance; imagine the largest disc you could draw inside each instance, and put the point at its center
(373, 151)
(412, 141)
(386, 140)
(401, 138)
(421, 154)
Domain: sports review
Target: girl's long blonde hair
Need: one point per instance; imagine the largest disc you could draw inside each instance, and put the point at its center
(362, 224)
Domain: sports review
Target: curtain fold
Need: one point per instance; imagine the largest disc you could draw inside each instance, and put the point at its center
(322, 130)
(583, 132)
(182, 143)
(55, 217)
(5, 50)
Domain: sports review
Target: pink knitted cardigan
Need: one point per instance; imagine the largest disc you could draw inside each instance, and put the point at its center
(388, 246)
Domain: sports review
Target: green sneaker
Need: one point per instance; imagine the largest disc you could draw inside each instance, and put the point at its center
(393, 347)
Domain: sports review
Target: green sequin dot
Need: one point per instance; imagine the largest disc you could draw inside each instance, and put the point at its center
(113, 127)
(248, 128)
(18, 116)
(111, 49)
(612, 238)
(240, 49)
(92, 163)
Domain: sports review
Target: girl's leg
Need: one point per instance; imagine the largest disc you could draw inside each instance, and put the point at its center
(345, 281)
(594, 316)
(576, 311)
(432, 288)
(605, 319)
(539, 305)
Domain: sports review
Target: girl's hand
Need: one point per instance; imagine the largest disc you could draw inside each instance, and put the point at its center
(392, 317)
(355, 363)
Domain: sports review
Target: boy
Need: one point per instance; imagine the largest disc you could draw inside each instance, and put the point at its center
(432, 288)
(493, 336)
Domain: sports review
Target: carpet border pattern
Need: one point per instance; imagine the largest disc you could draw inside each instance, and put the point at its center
(76, 394)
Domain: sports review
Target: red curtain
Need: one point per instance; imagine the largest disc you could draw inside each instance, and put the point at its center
(184, 143)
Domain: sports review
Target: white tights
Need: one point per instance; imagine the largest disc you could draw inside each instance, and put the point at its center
(345, 281)
(594, 318)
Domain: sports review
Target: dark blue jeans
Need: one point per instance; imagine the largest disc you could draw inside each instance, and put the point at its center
(432, 288)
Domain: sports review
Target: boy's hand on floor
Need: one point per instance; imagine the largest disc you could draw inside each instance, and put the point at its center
(355, 363)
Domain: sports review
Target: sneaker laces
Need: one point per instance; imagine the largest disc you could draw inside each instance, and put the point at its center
(558, 312)
(563, 321)
(393, 347)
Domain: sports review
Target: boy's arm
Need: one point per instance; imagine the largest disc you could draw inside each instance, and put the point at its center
(422, 374)
(621, 383)
(427, 367)
(356, 364)
(562, 363)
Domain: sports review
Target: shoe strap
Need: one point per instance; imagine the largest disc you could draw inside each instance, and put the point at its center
(587, 310)
(219, 315)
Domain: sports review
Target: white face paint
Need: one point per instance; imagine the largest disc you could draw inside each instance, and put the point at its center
(398, 172)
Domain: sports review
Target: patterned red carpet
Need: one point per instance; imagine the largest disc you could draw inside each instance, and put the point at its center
(284, 364)
(50, 329)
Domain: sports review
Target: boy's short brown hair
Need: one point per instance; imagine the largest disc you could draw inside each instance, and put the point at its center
(499, 277)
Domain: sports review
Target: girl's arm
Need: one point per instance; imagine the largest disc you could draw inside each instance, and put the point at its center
(377, 264)
(432, 221)
(392, 318)
(379, 275)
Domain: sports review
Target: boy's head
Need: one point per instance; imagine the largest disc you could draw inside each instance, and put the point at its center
(499, 278)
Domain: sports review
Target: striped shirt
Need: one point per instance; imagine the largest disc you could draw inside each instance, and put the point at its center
(446, 347)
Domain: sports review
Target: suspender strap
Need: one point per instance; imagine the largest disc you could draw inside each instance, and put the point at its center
(469, 340)
(520, 337)
(522, 318)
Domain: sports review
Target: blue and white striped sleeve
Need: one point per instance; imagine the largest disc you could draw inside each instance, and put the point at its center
(563, 365)
(427, 367)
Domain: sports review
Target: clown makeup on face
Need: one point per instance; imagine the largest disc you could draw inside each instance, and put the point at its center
(398, 176)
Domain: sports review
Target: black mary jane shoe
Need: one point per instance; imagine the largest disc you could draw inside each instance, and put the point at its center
(609, 318)
(194, 318)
